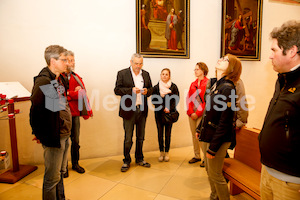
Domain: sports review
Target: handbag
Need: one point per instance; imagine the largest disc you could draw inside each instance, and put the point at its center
(170, 117)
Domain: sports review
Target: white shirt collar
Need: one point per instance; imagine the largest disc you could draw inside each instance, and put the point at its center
(134, 73)
(296, 67)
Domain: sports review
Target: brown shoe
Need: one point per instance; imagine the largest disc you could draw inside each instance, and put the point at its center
(194, 160)
(202, 164)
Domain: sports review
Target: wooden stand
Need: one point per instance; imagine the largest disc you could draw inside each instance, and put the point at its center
(18, 171)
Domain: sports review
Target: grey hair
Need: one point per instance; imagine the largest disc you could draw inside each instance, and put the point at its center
(53, 51)
(69, 53)
(136, 55)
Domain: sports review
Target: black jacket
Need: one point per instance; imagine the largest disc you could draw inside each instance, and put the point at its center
(216, 126)
(45, 123)
(124, 85)
(172, 103)
(279, 140)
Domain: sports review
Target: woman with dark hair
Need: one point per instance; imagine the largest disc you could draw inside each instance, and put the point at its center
(216, 129)
(165, 98)
(195, 105)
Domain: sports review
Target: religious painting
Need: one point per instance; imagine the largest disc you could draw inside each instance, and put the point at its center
(162, 28)
(241, 28)
(287, 1)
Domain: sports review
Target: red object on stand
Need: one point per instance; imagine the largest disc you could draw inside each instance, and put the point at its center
(18, 171)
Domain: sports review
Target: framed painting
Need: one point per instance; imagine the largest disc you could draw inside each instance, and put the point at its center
(162, 28)
(287, 1)
(241, 28)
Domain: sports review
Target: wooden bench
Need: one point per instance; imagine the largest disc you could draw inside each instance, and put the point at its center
(243, 171)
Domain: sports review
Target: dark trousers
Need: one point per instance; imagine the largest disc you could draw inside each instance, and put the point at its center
(75, 131)
(163, 130)
(139, 120)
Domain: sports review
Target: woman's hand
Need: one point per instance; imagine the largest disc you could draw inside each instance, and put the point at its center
(209, 156)
(194, 116)
(166, 110)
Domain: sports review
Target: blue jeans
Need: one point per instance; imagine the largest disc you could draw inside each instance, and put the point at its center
(139, 120)
(55, 167)
(75, 131)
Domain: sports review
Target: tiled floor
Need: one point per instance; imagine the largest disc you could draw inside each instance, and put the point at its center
(103, 180)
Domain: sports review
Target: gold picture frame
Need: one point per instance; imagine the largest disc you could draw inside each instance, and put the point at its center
(241, 28)
(160, 32)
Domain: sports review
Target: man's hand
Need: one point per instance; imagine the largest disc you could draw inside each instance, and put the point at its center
(78, 88)
(144, 91)
(136, 90)
(37, 140)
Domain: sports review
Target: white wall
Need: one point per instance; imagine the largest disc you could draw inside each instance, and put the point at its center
(102, 35)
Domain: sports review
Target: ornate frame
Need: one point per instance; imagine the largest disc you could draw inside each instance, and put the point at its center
(241, 28)
(151, 28)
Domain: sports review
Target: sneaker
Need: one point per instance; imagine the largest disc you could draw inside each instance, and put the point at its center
(202, 164)
(144, 164)
(167, 158)
(161, 156)
(78, 169)
(194, 160)
(125, 167)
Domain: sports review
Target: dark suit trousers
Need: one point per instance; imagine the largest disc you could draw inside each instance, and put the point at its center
(139, 120)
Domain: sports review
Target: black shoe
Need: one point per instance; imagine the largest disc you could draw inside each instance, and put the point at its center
(144, 164)
(66, 175)
(125, 167)
(194, 160)
(78, 169)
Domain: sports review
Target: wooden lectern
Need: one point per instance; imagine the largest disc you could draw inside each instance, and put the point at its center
(18, 171)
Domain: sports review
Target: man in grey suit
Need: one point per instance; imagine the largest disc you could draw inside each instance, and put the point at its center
(134, 86)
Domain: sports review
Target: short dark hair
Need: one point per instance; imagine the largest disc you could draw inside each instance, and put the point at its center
(53, 51)
(203, 67)
(287, 35)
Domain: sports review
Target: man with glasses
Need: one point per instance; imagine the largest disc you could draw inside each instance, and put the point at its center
(133, 86)
(50, 119)
(79, 106)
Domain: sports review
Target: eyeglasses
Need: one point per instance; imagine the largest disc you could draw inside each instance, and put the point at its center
(224, 59)
(64, 60)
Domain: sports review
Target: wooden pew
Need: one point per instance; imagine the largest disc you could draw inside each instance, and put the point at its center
(243, 171)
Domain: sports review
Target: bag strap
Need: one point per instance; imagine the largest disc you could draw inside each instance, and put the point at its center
(78, 81)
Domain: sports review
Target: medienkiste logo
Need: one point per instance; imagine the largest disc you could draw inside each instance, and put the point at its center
(54, 96)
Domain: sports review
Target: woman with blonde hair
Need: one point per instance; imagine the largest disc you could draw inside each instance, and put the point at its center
(165, 98)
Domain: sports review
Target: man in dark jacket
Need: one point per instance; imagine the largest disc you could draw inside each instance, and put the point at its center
(50, 119)
(279, 140)
(133, 86)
